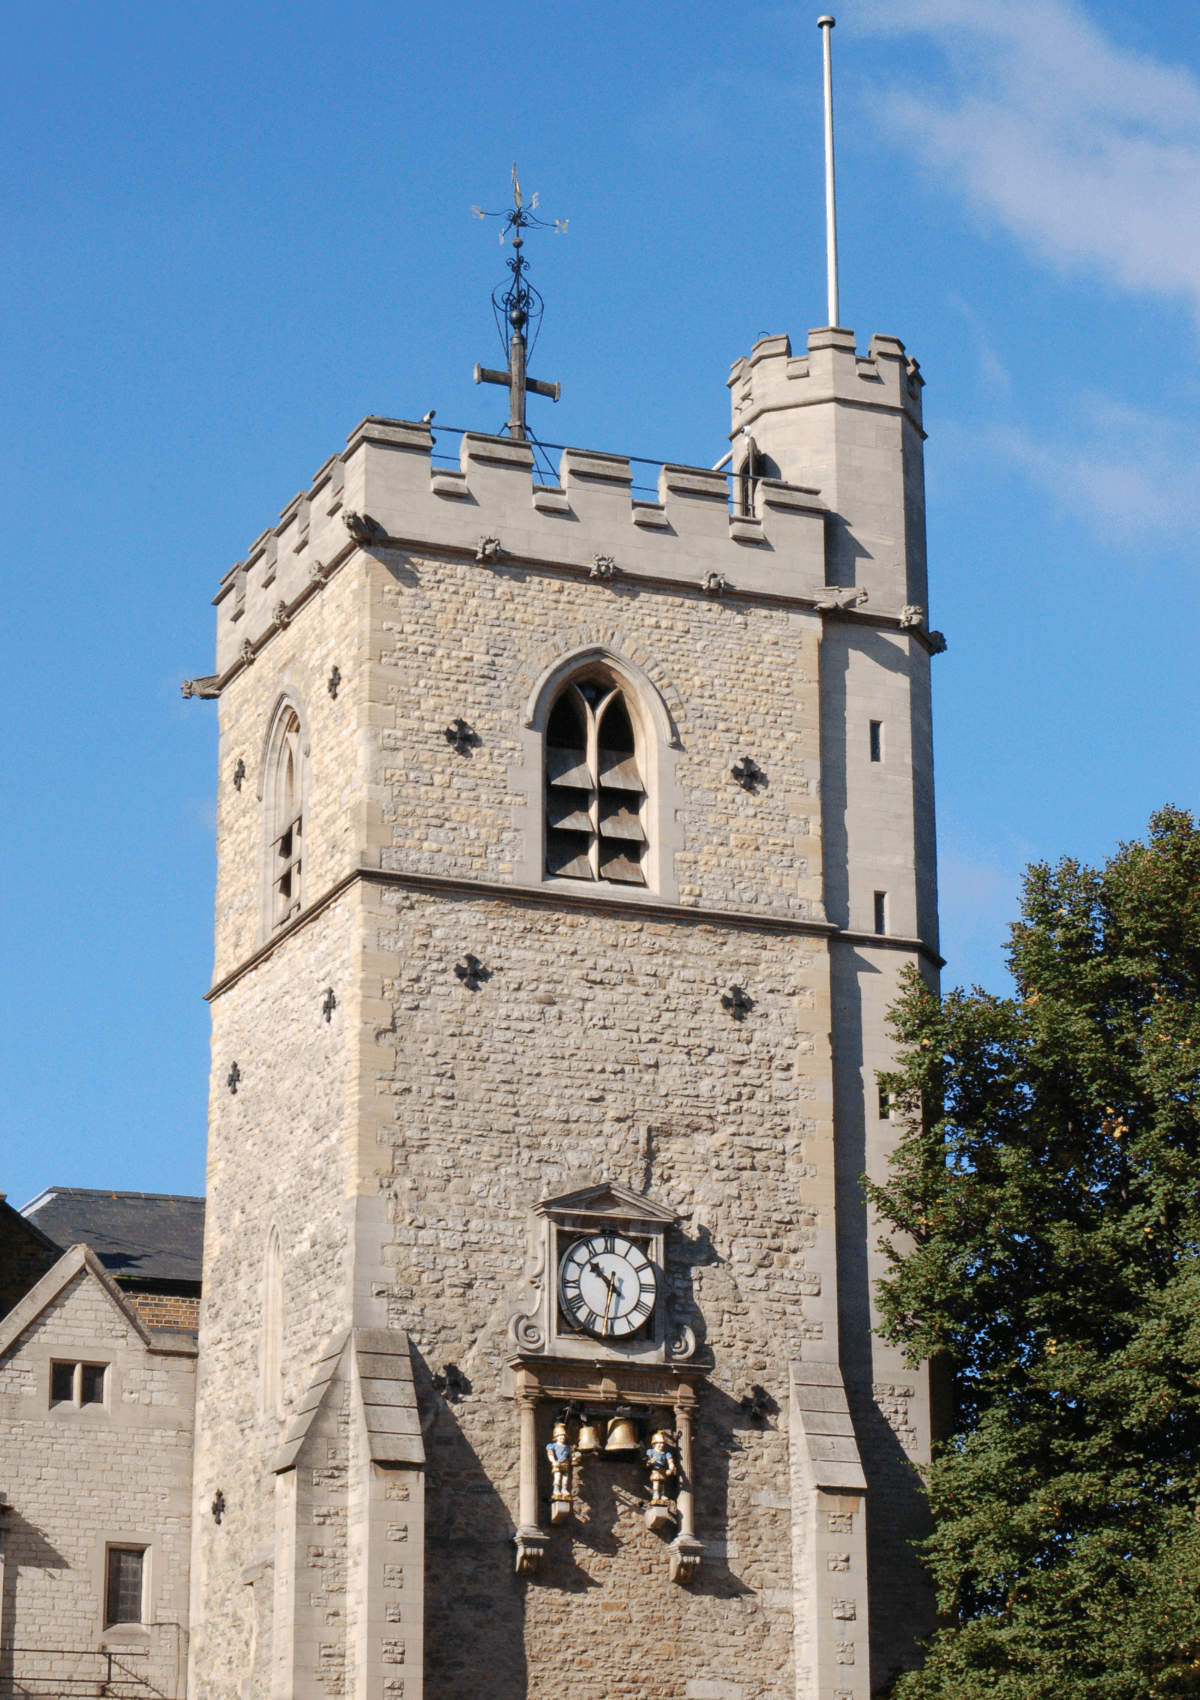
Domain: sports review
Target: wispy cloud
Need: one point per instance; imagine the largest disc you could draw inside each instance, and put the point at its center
(1088, 152)
(1127, 472)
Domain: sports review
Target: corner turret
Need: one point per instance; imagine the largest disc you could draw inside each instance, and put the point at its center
(850, 427)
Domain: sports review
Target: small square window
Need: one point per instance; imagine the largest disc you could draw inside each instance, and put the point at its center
(123, 1595)
(877, 740)
(91, 1384)
(881, 911)
(77, 1384)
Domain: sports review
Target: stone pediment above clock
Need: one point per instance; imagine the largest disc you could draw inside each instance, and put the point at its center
(595, 1287)
(608, 1199)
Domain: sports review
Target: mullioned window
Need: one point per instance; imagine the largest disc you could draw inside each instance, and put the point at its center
(595, 793)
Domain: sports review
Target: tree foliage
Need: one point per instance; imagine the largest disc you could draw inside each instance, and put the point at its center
(1045, 1206)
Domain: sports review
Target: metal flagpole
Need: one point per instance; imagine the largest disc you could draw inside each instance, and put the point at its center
(825, 25)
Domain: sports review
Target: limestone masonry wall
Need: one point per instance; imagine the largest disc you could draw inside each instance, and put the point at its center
(281, 1153)
(420, 642)
(455, 640)
(599, 1047)
(330, 631)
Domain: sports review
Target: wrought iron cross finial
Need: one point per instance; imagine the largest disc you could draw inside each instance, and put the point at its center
(518, 307)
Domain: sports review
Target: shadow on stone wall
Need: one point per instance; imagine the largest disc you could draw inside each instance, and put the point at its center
(473, 1598)
(25, 1548)
(719, 1418)
(897, 1510)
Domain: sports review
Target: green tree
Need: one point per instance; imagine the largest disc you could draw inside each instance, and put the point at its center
(1045, 1207)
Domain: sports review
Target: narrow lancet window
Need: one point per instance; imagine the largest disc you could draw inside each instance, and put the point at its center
(877, 740)
(595, 795)
(881, 911)
(287, 850)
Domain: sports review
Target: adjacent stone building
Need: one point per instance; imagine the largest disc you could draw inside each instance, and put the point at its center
(99, 1300)
(96, 1415)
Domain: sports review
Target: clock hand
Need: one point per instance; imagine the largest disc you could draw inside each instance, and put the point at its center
(614, 1289)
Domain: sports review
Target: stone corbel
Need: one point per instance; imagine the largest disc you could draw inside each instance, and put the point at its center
(531, 1543)
(686, 1552)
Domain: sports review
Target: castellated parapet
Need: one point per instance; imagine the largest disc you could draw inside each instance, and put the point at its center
(851, 426)
(387, 477)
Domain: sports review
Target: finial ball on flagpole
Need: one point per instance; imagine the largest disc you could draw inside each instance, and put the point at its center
(821, 22)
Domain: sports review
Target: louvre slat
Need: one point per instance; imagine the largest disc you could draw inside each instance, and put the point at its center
(620, 864)
(568, 810)
(618, 769)
(567, 855)
(568, 767)
(617, 820)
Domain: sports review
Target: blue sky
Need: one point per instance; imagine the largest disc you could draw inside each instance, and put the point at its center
(232, 230)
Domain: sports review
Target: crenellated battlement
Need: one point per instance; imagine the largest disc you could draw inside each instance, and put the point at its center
(851, 426)
(832, 370)
(385, 490)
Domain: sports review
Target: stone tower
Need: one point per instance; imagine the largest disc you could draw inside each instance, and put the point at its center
(571, 840)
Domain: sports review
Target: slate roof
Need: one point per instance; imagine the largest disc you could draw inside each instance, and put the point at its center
(137, 1236)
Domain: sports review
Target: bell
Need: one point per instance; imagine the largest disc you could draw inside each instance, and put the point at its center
(589, 1437)
(622, 1435)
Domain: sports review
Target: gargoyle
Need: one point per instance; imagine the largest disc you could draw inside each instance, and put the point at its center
(835, 597)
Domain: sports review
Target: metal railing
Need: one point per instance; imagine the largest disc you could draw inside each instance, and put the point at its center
(46, 1679)
(735, 481)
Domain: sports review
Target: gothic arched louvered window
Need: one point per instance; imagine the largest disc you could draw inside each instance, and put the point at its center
(286, 850)
(595, 794)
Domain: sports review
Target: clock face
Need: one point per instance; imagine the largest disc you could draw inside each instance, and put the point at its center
(607, 1285)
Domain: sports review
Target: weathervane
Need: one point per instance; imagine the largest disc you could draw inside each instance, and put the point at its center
(517, 307)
